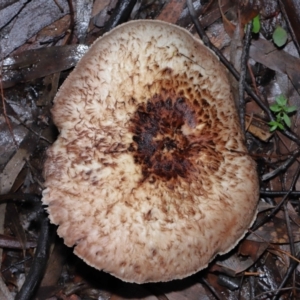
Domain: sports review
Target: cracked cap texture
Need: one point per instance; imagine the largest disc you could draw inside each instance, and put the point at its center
(149, 178)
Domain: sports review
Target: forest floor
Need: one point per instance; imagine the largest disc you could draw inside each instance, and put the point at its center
(41, 41)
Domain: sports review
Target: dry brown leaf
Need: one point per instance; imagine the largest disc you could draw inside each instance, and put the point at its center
(253, 249)
(4, 291)
(247, 11)
(233, 265)
(16, 163)
(194, 292)
(275, 231)
(267, 54)
(263, 206)
(229, 27)
(32, 64)
(236, 264)
(171, 11)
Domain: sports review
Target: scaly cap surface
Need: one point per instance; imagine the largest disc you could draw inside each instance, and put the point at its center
(149, 177)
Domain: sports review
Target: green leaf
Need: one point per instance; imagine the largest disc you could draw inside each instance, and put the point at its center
(281, 110)
(256, 24)
(280, 126)
(287, 120)
(275, 108)
(281, 100)
(290, 109)
(273, 125)
(279, 36)
(280, 116)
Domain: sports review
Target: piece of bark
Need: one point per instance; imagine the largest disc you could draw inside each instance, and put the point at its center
(258, 128)
(34, 16)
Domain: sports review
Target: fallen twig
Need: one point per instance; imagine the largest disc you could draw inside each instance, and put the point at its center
(38, 264)
(242, 80)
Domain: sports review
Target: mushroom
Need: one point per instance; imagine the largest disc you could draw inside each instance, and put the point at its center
(149, 178)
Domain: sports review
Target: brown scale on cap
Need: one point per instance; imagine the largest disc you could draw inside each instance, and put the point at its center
(160, 146)
(149, 178)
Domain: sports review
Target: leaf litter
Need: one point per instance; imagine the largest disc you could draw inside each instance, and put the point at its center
(263, 266)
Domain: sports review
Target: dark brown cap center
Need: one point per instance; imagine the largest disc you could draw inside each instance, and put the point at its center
(159, 145)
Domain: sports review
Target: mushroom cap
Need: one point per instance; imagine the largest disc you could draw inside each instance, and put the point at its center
(149, 177)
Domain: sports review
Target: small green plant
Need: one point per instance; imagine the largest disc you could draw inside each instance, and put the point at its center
(281, 110)
(279, 36)
(256, 24)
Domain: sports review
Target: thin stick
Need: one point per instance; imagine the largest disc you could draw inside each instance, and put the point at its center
(242, 81)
